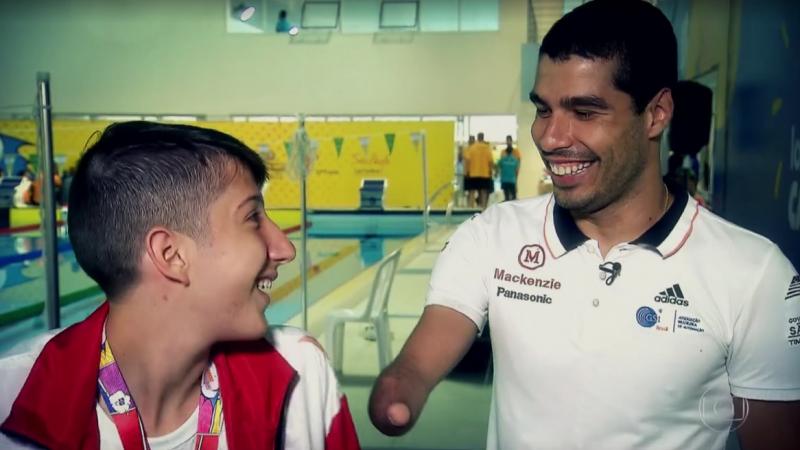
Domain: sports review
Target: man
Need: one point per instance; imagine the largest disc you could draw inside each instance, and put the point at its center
(469, 185)
(508, 166)
(514, 150)
(283, 25)
(623, 315)
(169, 221)
(480, 163)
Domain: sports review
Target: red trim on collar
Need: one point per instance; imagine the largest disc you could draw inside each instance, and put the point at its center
(544, 228)
(685, 236)
(56, 407)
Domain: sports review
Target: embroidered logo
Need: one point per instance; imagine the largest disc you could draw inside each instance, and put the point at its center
(672, 295)
(531, 256)
(794, 288)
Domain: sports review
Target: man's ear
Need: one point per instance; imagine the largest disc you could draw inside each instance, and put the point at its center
(659, 113)
(167, 252)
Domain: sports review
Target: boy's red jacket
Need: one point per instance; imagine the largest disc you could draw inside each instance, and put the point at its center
(56, 407)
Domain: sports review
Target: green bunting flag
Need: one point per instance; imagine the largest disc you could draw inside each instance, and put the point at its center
(338, 142)
(288, 146)
(389, 141)
(33, 161)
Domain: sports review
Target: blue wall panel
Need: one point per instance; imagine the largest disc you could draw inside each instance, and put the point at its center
(762, 174)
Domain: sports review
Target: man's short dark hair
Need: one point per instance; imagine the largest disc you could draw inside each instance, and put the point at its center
(139, 175)
(633, 33)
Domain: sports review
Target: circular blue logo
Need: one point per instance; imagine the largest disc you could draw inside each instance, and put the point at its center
(646, 316)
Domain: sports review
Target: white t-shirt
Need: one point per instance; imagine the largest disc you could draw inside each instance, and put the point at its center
(700, 310)
(180, 439)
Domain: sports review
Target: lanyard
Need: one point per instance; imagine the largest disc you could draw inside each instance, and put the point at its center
(120, 404)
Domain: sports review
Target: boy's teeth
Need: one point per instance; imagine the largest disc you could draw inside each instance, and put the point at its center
(568, 169)
(265, 286)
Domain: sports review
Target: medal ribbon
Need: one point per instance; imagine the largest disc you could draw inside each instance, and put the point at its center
(119, 403)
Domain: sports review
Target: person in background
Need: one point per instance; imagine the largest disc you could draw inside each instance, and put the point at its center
(23, 193)
(508, 166)
(170, 222)
(470, 190)
(66, 183)
(38, 185)
(514, 150)
(480, 164)
(283, 25)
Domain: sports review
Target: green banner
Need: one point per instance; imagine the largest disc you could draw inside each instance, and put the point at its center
(389, 141)
(338, 142)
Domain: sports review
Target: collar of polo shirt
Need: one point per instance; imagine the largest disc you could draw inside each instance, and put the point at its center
(665, 237)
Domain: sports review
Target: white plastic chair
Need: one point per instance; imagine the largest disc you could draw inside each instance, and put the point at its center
(375, 313)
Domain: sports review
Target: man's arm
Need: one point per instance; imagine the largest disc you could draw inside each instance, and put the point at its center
(438, 342)
(767, 425)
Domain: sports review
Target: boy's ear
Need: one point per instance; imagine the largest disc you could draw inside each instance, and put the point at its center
(168, 253)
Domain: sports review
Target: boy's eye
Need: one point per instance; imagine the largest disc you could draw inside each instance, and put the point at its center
(255, 216)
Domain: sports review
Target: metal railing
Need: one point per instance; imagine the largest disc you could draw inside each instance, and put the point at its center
(428, 205)
(45, 148)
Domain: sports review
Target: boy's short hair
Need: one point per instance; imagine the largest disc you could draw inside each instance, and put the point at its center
(139, 175)
(633, 33)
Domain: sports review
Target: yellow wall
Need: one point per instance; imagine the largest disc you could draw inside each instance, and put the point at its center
(335, 177)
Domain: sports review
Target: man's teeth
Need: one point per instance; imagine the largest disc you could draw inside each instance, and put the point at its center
(265, 286)
(569, 168)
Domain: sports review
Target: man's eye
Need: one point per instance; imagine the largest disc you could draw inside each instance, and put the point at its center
(584, 115)
(542, 112)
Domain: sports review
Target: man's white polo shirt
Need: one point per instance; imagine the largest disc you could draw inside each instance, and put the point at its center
(645, 354)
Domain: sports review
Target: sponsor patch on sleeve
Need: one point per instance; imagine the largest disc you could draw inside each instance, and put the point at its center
(793, 313)
(794, 289)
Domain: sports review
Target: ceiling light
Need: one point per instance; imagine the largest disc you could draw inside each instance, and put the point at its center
(244, 12)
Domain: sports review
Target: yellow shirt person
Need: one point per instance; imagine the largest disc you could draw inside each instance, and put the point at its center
(479, 160)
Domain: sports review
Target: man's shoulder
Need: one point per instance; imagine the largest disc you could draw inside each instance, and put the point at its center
(729, 237)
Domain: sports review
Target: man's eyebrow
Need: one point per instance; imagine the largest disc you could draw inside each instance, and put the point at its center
(536, 99)
(587, 101)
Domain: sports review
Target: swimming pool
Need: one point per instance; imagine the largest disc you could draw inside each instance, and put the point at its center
(340, 246)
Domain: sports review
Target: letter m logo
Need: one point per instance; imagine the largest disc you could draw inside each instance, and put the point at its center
(531, 256)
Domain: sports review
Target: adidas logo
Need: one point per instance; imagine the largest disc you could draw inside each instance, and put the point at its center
(794, 288)
(672, 295)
